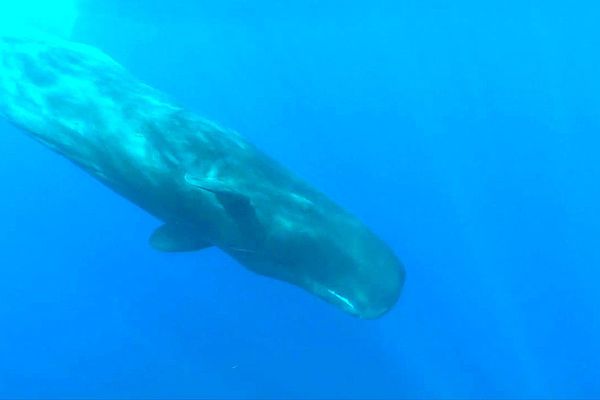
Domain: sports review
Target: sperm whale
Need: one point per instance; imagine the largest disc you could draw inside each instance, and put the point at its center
(207, 184)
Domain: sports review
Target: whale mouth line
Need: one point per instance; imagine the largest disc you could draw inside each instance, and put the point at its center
(347, 303)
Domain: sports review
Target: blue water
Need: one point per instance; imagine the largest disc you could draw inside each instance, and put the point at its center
(466, 134)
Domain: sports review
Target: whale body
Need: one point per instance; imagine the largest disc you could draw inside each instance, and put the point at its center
(207, 184)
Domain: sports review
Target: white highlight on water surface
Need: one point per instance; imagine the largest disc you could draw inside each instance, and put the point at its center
(56, 17)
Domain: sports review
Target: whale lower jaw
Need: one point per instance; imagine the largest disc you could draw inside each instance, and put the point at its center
(350, 306)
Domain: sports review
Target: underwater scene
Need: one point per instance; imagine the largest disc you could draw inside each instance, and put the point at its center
(299, 199)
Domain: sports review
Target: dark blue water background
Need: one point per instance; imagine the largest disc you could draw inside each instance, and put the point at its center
(466, 135)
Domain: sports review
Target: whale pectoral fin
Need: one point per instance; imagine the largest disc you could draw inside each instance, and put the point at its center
(177, 238)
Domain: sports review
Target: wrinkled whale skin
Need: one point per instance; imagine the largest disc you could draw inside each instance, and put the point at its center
(207, 184)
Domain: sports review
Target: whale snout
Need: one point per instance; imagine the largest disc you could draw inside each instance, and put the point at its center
(368, 289)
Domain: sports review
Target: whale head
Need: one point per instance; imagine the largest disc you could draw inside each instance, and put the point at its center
(316, 245)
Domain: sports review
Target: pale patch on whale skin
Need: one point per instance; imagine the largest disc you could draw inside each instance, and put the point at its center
(208, 184)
